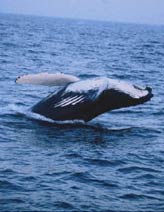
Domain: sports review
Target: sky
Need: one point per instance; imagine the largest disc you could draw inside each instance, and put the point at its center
(137, 11)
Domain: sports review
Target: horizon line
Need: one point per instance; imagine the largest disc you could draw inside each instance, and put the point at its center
(83, 19)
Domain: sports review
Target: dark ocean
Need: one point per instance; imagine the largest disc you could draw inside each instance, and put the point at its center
(114, 162)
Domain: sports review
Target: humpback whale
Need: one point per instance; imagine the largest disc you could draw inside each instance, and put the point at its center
(84, 99)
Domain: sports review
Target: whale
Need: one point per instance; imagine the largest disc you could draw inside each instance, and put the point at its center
(84, 99)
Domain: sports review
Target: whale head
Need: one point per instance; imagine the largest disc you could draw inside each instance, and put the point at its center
(121, 94)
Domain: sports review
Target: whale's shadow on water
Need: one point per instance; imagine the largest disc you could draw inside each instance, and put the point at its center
(89, 127)
(93, 131)
(86, 133)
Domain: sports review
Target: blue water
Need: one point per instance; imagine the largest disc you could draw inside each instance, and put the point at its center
(113, 163)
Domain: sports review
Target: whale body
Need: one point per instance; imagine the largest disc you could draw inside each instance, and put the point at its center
(86, 99)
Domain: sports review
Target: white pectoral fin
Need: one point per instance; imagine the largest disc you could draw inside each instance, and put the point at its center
(46, 79)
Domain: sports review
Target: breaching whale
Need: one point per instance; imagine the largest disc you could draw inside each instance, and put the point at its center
(84, 99)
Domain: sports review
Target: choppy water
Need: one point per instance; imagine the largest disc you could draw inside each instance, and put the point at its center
(115, 162)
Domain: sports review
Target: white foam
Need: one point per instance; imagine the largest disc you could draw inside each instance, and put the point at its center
(36, 116)
(11, 109)
(43, 118)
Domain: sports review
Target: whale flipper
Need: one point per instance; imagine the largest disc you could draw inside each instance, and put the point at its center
(57, 79)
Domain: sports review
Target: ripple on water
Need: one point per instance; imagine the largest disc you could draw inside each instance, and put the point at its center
(138, 169)
(6, 185)
(133, 196)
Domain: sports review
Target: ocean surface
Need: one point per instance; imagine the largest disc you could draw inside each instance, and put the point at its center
(114, 162)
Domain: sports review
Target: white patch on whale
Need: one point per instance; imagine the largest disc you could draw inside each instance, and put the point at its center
(101, 84)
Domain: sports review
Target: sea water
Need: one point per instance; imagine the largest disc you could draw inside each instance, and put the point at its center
(113, 163)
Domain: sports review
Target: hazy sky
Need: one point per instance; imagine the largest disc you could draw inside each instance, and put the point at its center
(139, 11)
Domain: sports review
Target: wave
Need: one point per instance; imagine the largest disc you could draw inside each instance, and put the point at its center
(137, 169)
(11, 109)
(132, 196)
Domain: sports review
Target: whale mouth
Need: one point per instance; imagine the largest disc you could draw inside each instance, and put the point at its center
(149, 89)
